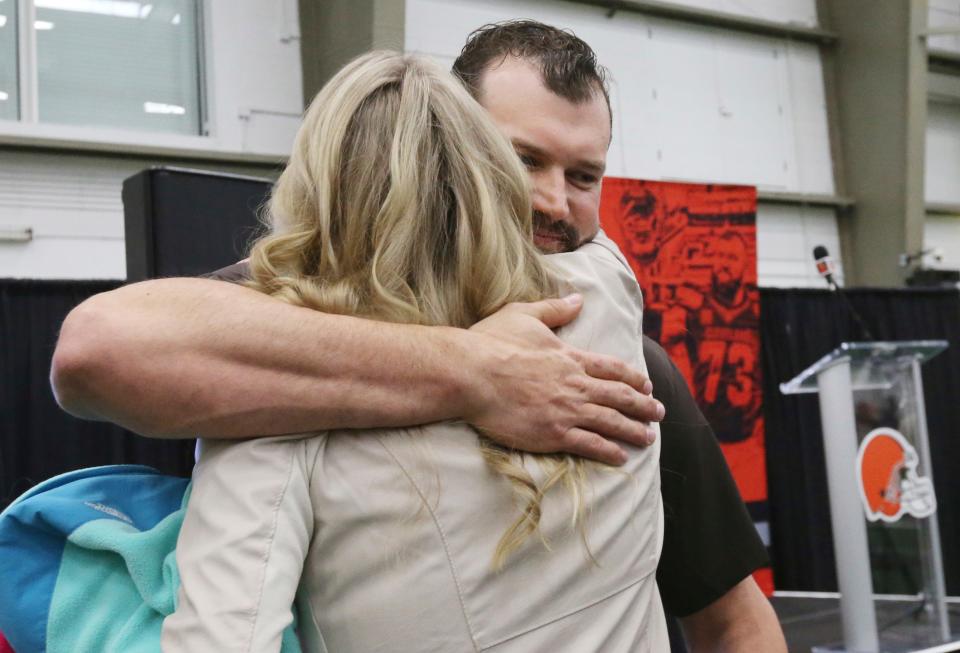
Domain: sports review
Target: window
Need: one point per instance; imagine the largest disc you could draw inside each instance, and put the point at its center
(9, 98)
(114, 63)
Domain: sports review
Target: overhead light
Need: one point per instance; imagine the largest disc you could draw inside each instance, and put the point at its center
(121, 8)
(16, 234)
(42, 24)
(160, 107)
(4, 96)
(3, 19)
(145, 10)
(176, 19)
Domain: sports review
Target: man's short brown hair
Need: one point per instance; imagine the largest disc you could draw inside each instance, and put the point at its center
(568, 66)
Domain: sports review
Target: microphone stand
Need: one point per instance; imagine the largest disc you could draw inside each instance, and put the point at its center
(835, 287)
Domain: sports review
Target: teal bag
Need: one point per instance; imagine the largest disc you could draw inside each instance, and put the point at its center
(87, 561)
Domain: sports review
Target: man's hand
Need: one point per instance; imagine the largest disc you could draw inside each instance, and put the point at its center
(536, 393)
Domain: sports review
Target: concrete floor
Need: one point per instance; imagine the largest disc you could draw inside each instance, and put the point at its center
(809, 622)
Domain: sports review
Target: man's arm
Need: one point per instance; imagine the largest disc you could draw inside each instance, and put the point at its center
(178, 357)
(740, 621)
(710, 545)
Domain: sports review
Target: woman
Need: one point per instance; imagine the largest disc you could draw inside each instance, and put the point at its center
(402, 202)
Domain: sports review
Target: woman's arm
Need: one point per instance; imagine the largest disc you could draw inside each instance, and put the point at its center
(176, 357)
(241, 547)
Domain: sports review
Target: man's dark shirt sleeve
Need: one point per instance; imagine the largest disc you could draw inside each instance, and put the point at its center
(236, 273)
(710, 543)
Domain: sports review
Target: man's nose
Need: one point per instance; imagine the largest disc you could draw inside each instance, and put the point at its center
(550, 194)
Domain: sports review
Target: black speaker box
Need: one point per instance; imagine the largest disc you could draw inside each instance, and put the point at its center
(184, 223)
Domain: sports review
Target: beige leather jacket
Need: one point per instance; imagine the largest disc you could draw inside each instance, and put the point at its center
(385, 537)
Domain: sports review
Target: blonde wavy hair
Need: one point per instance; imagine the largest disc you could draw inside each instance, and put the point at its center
(402, 202)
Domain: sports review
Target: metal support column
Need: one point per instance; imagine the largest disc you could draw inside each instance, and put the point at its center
(931, 551)
(846, 514)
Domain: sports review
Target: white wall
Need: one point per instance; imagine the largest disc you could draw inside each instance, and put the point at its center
(944, 14)
(942, 233)
(73, 205)
(942, 166)
(942, 177)
(72, 202)
(254, 74)
(786, 237)
(693, 104)
(799, 12)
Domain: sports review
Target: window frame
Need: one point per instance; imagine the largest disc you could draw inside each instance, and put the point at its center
(28, 131)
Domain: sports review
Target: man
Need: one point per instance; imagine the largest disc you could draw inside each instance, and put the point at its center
(530, 78)
(176, 357)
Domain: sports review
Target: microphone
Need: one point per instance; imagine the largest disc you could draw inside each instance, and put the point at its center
(825, 265)
(825, 268)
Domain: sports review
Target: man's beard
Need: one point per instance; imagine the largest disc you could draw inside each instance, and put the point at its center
(554, 236)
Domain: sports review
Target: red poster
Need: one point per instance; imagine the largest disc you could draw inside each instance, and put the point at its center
(693, 249)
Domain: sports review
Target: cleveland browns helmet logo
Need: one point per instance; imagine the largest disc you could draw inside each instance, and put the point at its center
(890, 486)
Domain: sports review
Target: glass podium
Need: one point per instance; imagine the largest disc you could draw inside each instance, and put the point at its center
(886, 536)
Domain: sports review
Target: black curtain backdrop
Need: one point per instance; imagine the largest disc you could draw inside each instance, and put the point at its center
(37, 439)
(797, 328)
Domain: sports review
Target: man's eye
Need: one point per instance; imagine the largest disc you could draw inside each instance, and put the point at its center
(584, 179)
(529, 161)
